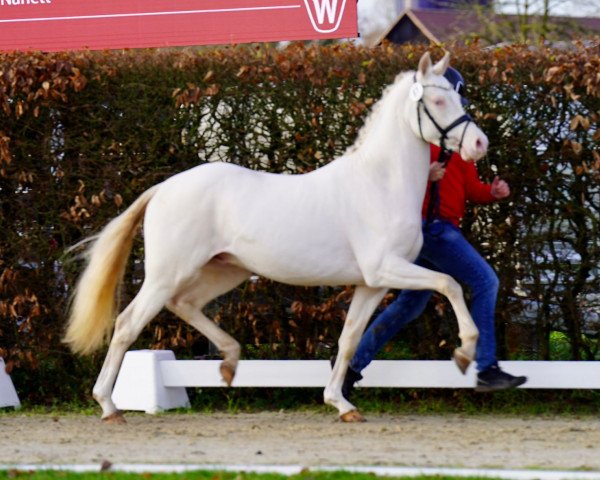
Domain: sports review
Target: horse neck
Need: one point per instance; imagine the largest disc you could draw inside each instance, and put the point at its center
(389, 148)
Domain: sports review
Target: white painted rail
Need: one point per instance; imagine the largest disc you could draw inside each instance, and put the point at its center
(153, 380)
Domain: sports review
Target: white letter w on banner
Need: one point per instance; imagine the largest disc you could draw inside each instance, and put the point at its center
(325, 15)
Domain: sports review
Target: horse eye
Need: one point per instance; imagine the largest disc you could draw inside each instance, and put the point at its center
(439, 102)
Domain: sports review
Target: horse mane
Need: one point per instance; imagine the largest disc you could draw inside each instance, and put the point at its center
(364, 131)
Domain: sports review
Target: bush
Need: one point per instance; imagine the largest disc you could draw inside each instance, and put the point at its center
(83, 134)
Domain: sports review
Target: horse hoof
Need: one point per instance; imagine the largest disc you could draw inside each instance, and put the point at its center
(353, 416)
(227, 373)
(462, 360)
(116, 418)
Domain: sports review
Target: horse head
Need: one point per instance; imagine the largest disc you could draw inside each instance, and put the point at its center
(435, 112)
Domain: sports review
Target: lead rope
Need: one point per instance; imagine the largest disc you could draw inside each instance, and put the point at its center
(433, 207)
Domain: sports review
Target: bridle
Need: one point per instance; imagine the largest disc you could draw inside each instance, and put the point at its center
(445, 153)
(465, 118)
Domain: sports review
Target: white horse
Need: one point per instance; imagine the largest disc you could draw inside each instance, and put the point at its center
(355, 221)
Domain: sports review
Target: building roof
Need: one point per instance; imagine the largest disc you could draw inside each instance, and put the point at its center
(438, 26)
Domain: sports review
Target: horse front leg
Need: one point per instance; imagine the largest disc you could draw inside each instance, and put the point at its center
(364, 302)
(400, 274)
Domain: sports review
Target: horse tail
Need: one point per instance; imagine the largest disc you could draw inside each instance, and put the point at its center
(94, 306)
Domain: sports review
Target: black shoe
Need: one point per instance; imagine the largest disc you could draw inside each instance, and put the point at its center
(349, 380)
(493, 379)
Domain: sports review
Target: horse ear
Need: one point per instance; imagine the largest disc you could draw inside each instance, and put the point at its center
(441, 67)
(424, 66)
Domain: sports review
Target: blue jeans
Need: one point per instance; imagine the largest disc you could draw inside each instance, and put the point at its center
(446, 250)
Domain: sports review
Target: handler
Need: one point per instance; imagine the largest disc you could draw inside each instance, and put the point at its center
(446, 250)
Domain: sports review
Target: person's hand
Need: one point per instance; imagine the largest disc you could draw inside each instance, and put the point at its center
(500, 188)
(436, 171)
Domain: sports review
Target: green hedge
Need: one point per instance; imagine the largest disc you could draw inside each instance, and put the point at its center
(82, 134)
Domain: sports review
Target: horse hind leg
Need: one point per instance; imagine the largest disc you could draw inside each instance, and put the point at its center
(214, 280)
(129, 324)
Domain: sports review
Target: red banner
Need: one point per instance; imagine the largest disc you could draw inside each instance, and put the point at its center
(53, 25)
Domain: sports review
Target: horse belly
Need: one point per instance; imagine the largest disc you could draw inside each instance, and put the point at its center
(307, 265)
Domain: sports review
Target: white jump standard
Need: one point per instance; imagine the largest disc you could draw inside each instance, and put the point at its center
(8, 394)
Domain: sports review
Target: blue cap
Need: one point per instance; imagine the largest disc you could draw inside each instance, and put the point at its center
(458, 83)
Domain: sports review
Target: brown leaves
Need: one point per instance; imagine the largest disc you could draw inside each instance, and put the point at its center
(7, 277)
(82, 208)
(573, 72)
(21, 307)
(577, 74)
(192, 94)
(555, 74)
(28, 81)
(31, 81)
(78, 80)
(357, 108)
(332, 308)
(590, 167)
(244, 71)
(580, 121)
(575, 146)
(5, 155)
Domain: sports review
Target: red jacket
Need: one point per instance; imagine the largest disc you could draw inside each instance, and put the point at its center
(459, 185)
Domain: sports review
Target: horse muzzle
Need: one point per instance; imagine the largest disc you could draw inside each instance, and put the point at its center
(475, 144)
